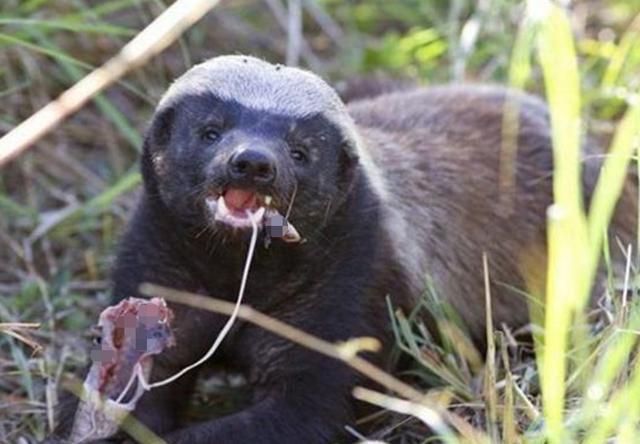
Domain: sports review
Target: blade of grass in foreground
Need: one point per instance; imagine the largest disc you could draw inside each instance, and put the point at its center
(68, 25)
(621, 53)
(574, 242)
(567, 229)
(621, 408)
(611, 364)
(612, 179)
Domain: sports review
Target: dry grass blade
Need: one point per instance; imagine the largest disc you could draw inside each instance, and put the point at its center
(509, 433)
(429, 416)
(345, 352)
(20, 331)
(490, 395)
(164, 30)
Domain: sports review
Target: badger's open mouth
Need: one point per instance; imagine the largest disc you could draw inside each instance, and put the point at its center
(235, 207)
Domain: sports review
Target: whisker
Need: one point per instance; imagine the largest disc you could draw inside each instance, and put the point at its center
(201, 232)
(293, 198)
(326, 212)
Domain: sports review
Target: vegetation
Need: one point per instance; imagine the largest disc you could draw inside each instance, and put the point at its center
(63, 204)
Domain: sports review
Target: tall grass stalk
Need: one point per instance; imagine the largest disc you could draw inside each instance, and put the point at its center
(567, 227)
(575, 239)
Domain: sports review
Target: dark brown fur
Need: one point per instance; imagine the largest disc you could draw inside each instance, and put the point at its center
(414, 188)
(440, 149)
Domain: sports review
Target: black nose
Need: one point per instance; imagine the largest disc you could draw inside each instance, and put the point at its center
(252, 165)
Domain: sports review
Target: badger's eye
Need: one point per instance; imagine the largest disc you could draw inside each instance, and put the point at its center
(95, 334)
(210, 134)
(299, 155)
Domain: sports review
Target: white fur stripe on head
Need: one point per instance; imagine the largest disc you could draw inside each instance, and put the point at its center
(260, 85)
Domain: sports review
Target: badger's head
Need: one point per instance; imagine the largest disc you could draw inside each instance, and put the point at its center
(235, 136)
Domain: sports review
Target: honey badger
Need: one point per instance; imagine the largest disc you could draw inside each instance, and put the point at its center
(384, 192)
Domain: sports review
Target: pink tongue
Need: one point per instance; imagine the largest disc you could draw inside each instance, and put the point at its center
(240, 199)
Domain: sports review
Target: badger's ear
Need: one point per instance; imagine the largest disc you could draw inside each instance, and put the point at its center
(159, 132)
(347, 162)
(156, 141)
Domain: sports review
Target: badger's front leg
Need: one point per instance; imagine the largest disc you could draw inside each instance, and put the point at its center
(300, 396)
(305, 403)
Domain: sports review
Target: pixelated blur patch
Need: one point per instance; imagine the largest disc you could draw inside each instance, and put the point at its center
(133, 327)
(149, 314)
(102, 355)
(276, 225)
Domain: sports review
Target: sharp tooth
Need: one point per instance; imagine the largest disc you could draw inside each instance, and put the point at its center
(221, 210)
(267, 200)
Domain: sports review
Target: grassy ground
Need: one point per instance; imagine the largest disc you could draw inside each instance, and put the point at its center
(63, 205)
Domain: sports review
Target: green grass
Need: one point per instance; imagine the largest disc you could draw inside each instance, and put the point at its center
(63, 205)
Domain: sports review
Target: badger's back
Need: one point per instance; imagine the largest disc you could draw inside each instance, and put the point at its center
(465, 176)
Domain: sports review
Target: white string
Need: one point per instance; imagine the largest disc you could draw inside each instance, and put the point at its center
(137, 369)
(225, 330)
(134, 374)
